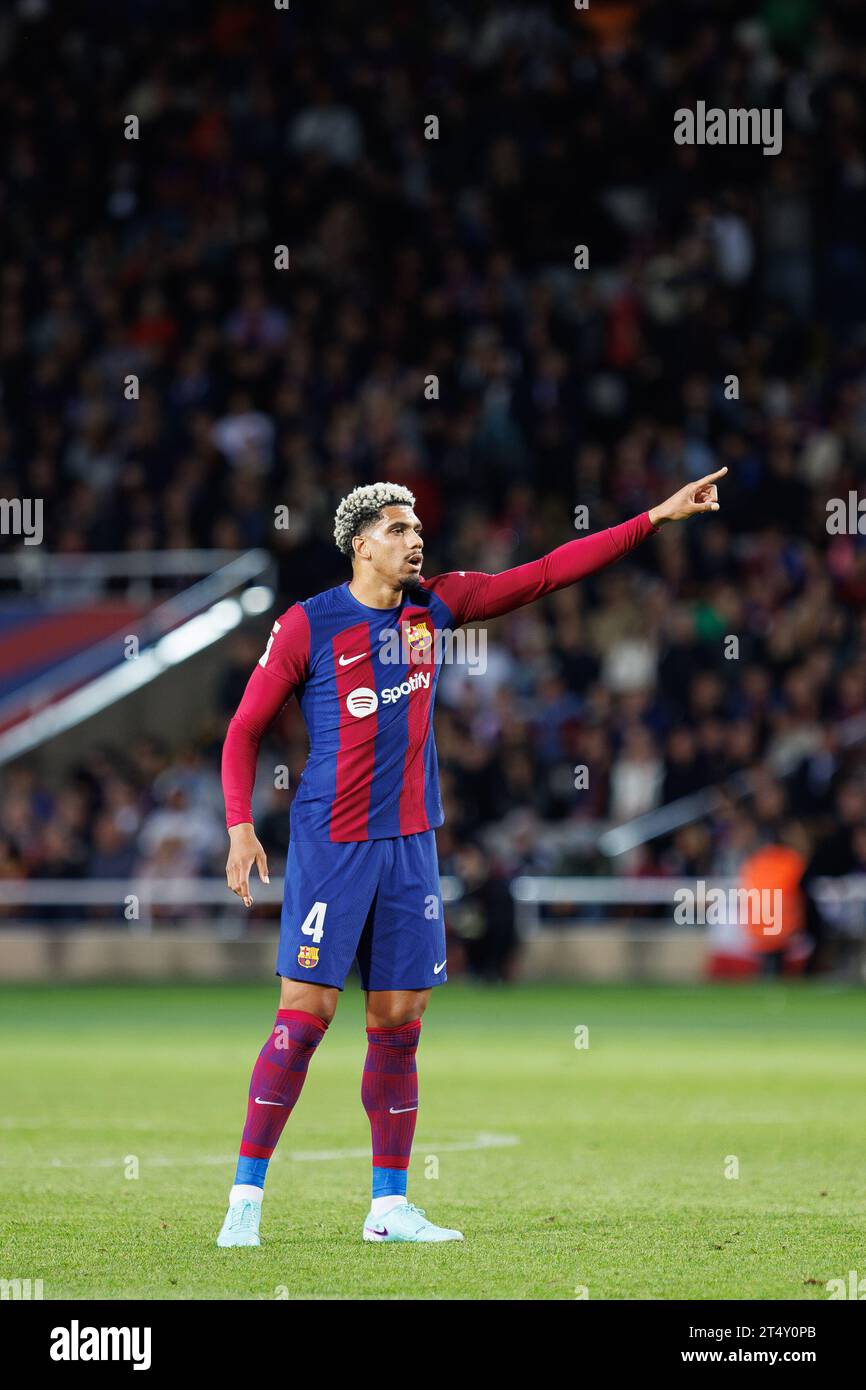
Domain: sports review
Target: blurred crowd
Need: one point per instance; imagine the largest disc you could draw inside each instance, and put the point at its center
(431, 329)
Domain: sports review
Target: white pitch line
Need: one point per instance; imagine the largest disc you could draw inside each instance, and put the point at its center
(481, 1141)
(17, 1122)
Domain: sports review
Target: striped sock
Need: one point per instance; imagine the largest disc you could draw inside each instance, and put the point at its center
(389, 1092)
(276, 1082)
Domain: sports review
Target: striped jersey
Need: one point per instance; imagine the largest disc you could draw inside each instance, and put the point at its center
(365, 679)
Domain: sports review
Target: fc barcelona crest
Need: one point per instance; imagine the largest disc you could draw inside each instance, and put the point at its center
(419, 636)
(308, 956)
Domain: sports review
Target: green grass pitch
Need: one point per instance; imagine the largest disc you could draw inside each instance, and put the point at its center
(600, 1168)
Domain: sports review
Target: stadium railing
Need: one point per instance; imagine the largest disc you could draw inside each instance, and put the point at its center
(140, 903)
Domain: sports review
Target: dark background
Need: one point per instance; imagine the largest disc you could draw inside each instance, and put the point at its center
(557, 387)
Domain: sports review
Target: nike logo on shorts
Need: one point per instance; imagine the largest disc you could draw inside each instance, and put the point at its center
(437, 968)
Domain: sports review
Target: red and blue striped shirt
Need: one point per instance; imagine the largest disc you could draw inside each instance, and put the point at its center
(365, 679)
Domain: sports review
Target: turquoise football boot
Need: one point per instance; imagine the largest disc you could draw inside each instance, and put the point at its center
(241, 1226)
(406, 1223)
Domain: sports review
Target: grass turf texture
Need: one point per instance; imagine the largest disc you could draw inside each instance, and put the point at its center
(617, 1183)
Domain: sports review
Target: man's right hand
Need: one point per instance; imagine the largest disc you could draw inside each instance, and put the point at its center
(244, 852)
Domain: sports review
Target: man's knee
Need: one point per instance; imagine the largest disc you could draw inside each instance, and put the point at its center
(310, 999)
(392, 1008)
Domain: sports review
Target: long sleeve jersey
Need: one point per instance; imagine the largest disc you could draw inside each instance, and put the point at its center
(366, 679)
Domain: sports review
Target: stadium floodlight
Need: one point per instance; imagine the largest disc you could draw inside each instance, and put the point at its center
(258, 598)
(199, 632)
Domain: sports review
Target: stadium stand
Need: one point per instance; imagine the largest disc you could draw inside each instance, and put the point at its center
(557, 387)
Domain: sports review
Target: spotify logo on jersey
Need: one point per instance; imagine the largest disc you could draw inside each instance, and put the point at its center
(362, 701)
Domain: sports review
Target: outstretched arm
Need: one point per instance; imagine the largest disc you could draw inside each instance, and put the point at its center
(471, 595)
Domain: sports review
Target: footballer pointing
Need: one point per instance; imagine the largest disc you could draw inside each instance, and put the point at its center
(362, 879)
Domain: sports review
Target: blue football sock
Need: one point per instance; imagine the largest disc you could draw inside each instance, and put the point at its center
(251, 1171)
(389, 1182)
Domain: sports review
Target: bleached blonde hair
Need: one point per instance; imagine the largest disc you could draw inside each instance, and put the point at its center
(365, 504)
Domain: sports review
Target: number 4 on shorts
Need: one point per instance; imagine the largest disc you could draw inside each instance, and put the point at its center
(314, 923)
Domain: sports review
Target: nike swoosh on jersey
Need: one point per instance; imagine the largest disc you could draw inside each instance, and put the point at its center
(349, 660)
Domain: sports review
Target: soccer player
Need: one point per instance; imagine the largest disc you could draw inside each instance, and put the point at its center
(362, 878)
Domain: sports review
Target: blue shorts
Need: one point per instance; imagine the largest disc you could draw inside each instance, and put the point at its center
(377, 900)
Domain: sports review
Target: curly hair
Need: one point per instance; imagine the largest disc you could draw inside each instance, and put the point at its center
(364, 505)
